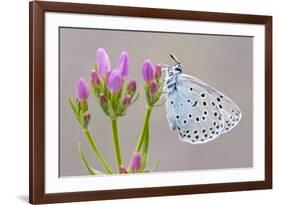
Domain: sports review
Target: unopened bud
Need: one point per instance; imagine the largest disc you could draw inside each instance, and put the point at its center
(103, 99)
(157, 71)
(136, 162)
(132, 86)
(95, 78)
(123, 170)
(87, 116)
(127, 100)
(153, 87)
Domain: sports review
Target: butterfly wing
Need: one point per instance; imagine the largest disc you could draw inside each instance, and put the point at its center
(199, 112)
(230, 111)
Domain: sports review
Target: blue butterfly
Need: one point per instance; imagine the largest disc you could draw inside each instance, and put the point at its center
(199, 112)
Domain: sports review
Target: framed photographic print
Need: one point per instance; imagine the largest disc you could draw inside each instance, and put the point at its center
(139, 102)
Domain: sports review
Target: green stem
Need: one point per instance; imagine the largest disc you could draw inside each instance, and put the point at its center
(96, 151)
(144, 148)
(116, 143)
(143, 131)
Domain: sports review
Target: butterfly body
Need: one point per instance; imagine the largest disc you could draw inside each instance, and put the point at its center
(197, 111)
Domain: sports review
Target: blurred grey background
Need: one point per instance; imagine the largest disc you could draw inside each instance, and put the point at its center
(224, 62)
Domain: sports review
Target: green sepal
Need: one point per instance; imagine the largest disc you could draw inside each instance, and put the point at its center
(96, 98)
(82, 120)
(111, 112)
(159, 104)
(96, 66)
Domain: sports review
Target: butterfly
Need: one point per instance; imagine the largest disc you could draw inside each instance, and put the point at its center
(199, 112)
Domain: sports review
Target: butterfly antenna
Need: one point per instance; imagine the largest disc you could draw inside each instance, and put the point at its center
(175, 58)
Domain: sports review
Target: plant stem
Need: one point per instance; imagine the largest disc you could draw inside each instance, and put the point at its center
(116, 143)
(96, 151)
(143, 131)
(145, 146)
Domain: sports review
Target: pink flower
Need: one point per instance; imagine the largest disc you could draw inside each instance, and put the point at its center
(103, 61)
(148, 70)
(82, 90)
(123, 64)
(115, 81)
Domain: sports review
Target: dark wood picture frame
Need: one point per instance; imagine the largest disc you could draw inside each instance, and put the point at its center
(37, 101)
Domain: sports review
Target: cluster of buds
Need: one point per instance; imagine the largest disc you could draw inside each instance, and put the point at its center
(154, 85)
(108, 85)
(80, 107)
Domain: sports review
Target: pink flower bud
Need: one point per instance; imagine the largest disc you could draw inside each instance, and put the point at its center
(127, 100)
(123, 170)
(107, 76)
(95, 78)
(103, 61)
(147, 70)
(153, 87)
(114, 81)
(132, 86)
(82, 90)
(157, 71)
(87, 116)
(123, 64)
(103, 99)
(136, 162)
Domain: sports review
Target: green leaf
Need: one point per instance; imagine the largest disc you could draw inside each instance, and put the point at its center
(91, 170)
(74, 109)
(96, 151)
(72, 105)
(135, 99)
(155, 166)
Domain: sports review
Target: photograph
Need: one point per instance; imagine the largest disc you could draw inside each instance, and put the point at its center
(129, 102)
(144, 102)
